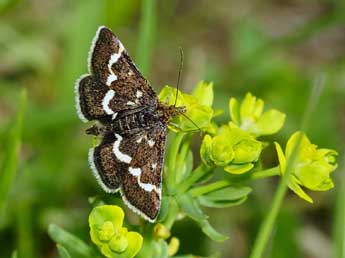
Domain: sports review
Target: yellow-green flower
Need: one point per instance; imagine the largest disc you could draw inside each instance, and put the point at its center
(312, 167)
(232, 148)
(249, 116)
(173, 246)
(198, 106)
(106, 231)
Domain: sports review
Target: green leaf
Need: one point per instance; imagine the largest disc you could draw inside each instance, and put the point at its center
(190, 207)
(10, 161)
(225, 197)
(160, 249)
(228, 193)
(70, 242)
(63, 253)
(211, 232)
(220, 203)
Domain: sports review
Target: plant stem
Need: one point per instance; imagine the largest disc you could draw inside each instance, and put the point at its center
(146, 250)
(181, 158)
(275, 171)
(339, 225)
(146, 35)
(172, 214)
(223, 183)
(267, 225)
(196, 175)
(9, 166)
(170, 176)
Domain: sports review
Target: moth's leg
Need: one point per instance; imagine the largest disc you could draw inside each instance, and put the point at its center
(178, 128)
(93, 130)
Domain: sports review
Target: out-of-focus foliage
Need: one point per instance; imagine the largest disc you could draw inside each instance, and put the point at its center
(273, 49)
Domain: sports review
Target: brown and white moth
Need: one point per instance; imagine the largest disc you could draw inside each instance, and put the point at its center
(131, 121)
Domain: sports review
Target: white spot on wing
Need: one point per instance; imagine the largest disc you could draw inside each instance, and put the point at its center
(106, 100)
(151, 143)
(154, 165)
(146, 187)
(118, 154)
(96, 173)
(140, 139)
(130, 103)
(111, 78)
(113, 59)
(77, 99)
(139, 94)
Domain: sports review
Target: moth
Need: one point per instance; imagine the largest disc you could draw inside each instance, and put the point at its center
(131, 122)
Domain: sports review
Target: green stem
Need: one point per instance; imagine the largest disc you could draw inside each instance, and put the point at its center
(275, 171)
(181, 158)
(198, 173)
(197, 191)
(12, 154)
(267, 225)
(146, 250)
(146, 35)
(172, 214)
(171, 172)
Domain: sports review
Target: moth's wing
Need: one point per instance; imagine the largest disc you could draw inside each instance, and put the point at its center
(90, 97)
(104, 165)
(114, 83)
(141, 186)
(132, 164)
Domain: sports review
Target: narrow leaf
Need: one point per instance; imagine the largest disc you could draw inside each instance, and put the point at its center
(211, 232)
(70, 242)
(63, 253)
(191, 207)
(220, 204)
(9, 167)
(230, 193)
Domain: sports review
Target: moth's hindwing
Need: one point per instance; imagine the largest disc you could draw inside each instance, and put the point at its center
(133, 165)
(114, 83)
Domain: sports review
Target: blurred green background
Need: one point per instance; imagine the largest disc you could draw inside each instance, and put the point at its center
(274, 49)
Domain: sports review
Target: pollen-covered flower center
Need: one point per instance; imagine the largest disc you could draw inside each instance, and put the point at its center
(106, 231)
(118, 243)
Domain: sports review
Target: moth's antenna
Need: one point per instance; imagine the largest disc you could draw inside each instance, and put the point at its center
(179, 74)
(191, 121)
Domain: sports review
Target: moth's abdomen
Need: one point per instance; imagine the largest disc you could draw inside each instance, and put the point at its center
(132, 122)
